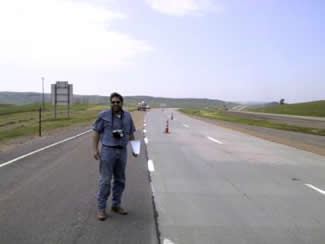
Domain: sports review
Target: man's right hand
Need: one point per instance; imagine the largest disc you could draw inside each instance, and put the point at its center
(95, 145)
(96, 155)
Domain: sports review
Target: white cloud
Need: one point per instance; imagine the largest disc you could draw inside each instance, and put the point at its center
(182, 7)
(63, 33)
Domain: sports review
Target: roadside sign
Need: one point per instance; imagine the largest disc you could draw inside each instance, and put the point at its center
(61, 93)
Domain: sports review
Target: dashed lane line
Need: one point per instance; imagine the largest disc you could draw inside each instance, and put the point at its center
(151, 167)
(214, 140)
(146, 140)
(315, 188)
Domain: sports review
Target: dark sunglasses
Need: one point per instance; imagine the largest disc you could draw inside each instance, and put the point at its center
(115, 102)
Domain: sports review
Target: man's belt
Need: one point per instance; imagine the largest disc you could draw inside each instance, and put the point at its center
(115, 147)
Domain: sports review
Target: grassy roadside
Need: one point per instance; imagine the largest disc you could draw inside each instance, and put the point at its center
(23, 120)
(315, 108)
(219, 115)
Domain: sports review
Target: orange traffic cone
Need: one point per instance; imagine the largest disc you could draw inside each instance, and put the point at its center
(167, 127)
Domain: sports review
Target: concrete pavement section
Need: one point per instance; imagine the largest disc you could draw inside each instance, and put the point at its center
(301, 141)
(241, 190)
(49, 197)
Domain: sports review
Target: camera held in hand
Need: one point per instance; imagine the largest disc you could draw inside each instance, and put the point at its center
(118, 134)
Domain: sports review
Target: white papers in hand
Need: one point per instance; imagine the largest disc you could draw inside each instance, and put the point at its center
(135, 145)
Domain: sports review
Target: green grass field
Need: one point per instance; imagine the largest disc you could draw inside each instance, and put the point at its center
(23, 120)
(219, 115)
(316, 108)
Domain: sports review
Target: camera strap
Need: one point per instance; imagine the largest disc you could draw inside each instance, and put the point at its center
(122, 117)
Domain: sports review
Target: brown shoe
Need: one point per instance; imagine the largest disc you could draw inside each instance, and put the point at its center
(119, 210)
(101, 215)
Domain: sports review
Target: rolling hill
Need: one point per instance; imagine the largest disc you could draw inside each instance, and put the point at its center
(155, 102)
(315, 108)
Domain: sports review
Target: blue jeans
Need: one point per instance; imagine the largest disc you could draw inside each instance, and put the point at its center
(112, 166)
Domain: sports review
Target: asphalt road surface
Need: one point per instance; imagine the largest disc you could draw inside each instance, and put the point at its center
(209, 185)
(214, 185)
(49, 197)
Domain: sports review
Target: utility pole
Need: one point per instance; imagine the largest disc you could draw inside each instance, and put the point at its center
(40, 122)
(43, 106)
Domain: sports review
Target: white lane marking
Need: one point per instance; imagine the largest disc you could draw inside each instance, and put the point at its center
(44, 148)
(144, 131)
(151, 167)
(214, 140)
(187, 126)
(146, 140)
(166, 241)
(144, 124)
(315, 188)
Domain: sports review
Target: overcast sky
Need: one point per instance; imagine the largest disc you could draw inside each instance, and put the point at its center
(234, 50)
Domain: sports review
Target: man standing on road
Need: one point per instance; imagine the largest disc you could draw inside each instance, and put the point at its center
(114, 127)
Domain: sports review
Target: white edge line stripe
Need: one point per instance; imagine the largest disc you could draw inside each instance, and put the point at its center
(151, 166)
(166, 241)
(214, 140)
(146, 140)
(185, 125)
(315, 188)
(42, 149)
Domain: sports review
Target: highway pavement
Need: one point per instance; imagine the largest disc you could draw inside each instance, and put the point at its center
(215, 185)
(208, 184)
(50, 197)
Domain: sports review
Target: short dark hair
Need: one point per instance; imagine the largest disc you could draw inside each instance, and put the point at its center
(115, 94)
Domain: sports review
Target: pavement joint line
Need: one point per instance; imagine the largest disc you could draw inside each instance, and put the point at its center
(214, 140)
(315, 188)
(43, 148)
(151, 167)
(152, 189)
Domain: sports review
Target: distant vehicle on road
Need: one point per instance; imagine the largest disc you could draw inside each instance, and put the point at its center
(142, 106)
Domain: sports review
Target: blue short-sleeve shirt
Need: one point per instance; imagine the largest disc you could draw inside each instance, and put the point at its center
(106, 122)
